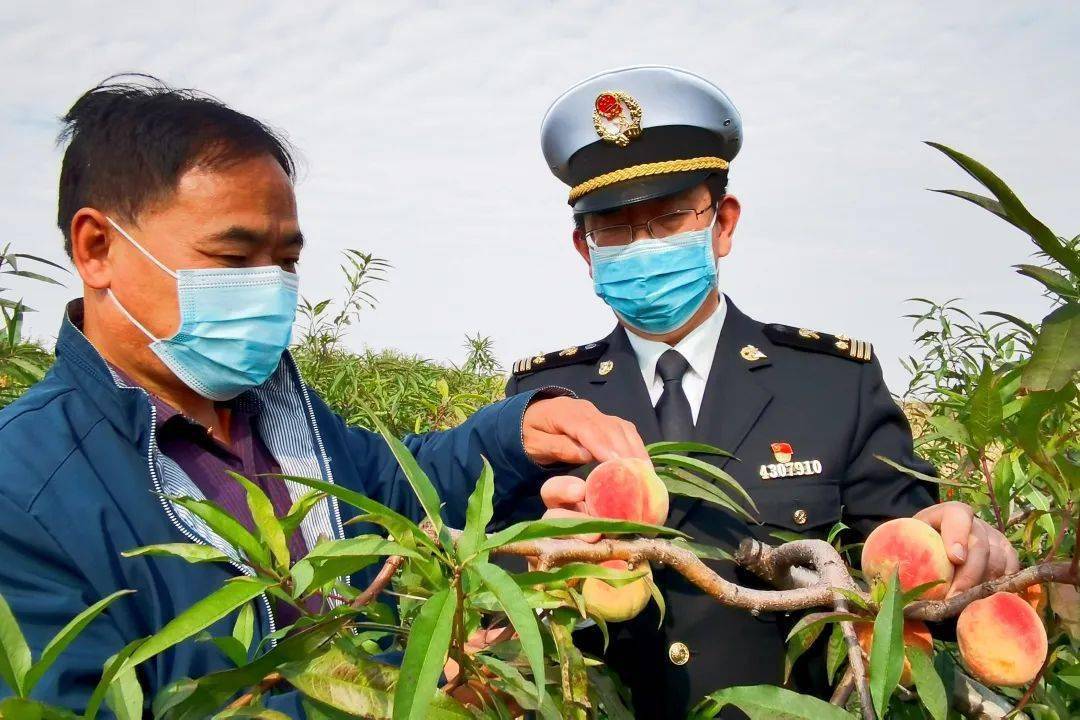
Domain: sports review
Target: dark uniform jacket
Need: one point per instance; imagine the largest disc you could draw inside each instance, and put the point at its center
(833, 409)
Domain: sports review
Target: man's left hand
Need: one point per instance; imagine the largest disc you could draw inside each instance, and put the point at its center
(978, 550)
(571, 431)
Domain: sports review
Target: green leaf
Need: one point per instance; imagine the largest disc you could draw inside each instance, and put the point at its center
(798, 642)
(360, 686)
(988, 204)
(244, 627)
(342, 557)
(1047, 241)
(700, 467)
(251, 713)
(521, 615)
(14, 652)
(951, 429)
(665, 447)
(125, 696)
(191, 552)
(517, 686)
(928, 683)
(887, 650)
(421, 485)
(692, 486)
(984, 409)
(603, 684)
(14, 708)
(916, 592)
(200, 616)
(1053, 281)
(835, 653)
(561, 527)
(478, 514)
(113, 665)
(1056, 357)
(425, 655)
(766, 702)
(397, 524)
(266, 521)
(916, 474)
(65, 637)
(705, 552)
(228, 528)
(299, 510)
(613, 576)
(820, 619)
(572, 675)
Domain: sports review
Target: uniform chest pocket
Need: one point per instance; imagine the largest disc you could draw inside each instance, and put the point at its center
(803, 507)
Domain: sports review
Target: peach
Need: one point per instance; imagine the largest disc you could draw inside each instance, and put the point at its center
(914, 550)
(916, 634)
(1002, 641)
(616, 604)
(626, 489)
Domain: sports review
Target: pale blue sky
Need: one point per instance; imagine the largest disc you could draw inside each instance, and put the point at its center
(418, 127)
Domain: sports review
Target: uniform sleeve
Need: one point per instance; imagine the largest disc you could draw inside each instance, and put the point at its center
(452, 459)
(45, 590)
(873, 491)
(511, 386)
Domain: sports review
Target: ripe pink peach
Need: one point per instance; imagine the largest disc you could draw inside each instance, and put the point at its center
(911, 548)
(616, 604)
(916, 635)
(626, 489)
(1001, 639)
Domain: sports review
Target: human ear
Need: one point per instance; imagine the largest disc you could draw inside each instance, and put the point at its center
(727, 217)
(582, 247)
(91, 242)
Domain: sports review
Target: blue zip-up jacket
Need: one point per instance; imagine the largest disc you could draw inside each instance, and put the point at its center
(80, 482)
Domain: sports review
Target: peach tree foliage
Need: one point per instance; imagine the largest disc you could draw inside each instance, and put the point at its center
(998, 413)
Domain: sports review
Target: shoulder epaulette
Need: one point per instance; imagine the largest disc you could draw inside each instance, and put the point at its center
(559, 358)
(815, 341)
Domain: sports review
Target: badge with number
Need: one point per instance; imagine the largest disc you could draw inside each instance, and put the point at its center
(786, 466)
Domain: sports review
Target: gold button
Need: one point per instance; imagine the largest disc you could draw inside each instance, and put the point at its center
(799, 516)
(678, 653)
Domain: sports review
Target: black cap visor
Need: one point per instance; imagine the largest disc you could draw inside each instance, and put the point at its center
(638, 190)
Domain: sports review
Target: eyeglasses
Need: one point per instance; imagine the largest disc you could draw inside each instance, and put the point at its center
(659, 228)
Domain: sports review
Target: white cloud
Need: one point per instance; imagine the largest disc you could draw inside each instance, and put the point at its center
(418, 124)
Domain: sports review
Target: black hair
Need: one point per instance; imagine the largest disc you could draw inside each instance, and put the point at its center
(716, 182)
(131, 137)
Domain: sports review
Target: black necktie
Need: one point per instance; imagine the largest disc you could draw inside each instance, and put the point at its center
(673, 409)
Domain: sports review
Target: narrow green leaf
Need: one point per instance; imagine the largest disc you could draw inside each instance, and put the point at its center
(700, 467)
(928, 683)
(835, 652)
(191, 552)
(887, 650)
(613, 576)
(1053, 281)
(988, 204)
(984, 409)
(703, 491)
(266, 521)
(251, 713)
(819, 619)
(14, 652)
(425, 655)
(125, 696)
(65, 637)
(244, 627)
(1019, 215)
(951, 429)
(572, 675)
(521, 615)
(797, 644)
(200, 616)
(299, 510)
(767, 702)
(423, 488)
(337, 556)
(113, 665)
(665, 447)
(228, 528)
(561, 527)
(397, 524)
(705, 552)
(1056, 357)
(916, 474)
(478, 514)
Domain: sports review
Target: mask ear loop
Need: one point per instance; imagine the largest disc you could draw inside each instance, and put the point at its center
(139, 247)
(151, 258)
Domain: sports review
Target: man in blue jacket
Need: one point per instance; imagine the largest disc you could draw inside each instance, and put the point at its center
(180, 217)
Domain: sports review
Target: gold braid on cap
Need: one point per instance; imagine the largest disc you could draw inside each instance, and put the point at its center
(645, 170)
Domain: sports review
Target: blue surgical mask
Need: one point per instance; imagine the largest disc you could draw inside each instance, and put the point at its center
(656, 286)
(235, 323)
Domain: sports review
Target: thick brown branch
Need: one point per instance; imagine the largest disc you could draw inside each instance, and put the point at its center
(380, 582)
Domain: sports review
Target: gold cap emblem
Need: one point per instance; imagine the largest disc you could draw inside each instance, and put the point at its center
(617, 118)
(751, 353)
(568, 352)
(606, 367)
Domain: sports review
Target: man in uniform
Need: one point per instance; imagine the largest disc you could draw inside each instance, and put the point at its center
(645, 151)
